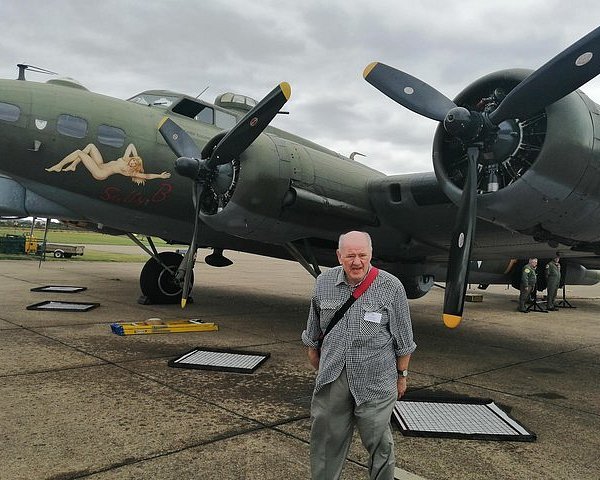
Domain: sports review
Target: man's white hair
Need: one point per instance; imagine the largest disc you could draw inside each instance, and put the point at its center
(343, 236)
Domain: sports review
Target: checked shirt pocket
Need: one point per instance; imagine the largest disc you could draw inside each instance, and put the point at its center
(327, 311)
(374, 319)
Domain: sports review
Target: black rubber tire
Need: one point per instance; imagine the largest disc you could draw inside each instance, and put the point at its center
(58, 254)
(158, 284)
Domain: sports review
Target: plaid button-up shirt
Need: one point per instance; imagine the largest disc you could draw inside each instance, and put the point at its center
(368, 349)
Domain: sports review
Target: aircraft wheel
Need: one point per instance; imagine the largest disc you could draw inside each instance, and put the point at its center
(158, 284)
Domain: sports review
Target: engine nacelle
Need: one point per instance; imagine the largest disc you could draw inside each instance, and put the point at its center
(417, 286)
(253, 195)
(278, 188)
(538, 175)
(416, 278)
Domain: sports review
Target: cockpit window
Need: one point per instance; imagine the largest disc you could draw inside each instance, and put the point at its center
(205, 115)
(162, 101)
(224, 120)
(71, 126)
(111, 136)
(9, 112)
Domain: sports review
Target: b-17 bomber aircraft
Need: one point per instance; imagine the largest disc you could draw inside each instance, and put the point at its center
(516, 158)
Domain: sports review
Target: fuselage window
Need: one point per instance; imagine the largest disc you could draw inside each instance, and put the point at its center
(71, 126)
(224, 120)
(9, 112)
(112, 136)
(205, 115)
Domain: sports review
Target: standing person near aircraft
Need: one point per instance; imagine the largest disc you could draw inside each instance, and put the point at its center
(528, 282)
(362, 361)
(552, 281)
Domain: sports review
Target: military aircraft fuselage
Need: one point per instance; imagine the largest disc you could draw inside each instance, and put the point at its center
(74, 154)
(55, 121)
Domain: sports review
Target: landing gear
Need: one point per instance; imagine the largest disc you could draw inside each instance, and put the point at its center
(158, 284)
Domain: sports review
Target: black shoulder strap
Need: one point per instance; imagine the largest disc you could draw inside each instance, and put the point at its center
(339, 314)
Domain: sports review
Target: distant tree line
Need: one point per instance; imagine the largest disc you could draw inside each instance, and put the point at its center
(39, 223)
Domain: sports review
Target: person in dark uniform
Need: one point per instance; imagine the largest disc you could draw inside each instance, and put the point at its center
(528, 281)
(552, 282)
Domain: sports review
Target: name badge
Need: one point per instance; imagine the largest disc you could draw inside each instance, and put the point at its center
(374, 317)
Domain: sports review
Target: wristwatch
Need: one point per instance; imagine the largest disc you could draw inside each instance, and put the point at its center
(402, 373)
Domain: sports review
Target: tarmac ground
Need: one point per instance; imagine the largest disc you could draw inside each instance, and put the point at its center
(77, 401)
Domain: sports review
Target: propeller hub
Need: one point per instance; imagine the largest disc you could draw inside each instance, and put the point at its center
(463, 124)
(188, 167)
(503, 143)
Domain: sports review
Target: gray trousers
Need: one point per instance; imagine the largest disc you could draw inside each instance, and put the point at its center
(334, 414)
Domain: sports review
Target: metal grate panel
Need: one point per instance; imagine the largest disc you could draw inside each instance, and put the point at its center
(59, 289)
(56, 306)
(470, 418)
(222, 360)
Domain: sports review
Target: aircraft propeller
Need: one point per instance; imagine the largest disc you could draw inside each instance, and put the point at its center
(560, 76)
(204, 166)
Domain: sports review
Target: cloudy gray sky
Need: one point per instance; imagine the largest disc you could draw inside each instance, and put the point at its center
(119, 48)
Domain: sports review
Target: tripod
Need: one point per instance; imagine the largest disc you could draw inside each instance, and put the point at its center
(535, 305)
(564, 303)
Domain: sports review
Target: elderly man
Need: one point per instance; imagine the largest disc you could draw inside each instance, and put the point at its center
(362, 361)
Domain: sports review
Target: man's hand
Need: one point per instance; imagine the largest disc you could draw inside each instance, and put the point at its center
(314, 357)
(401, 386)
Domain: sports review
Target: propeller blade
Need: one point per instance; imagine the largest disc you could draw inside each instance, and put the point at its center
(562, 75)
(178, 139)
(460, 249)
(250, 127)
(189, 266)
(191, 253)
(408, 91)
